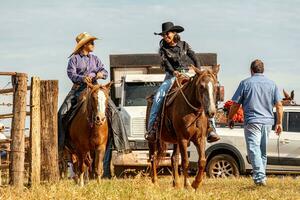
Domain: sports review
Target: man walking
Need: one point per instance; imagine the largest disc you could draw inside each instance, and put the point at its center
(258, 95)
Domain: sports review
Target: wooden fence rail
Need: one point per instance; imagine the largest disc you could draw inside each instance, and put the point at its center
(10, 90)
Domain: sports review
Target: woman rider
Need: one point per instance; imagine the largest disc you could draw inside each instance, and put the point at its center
(174, 55)
(85, 67)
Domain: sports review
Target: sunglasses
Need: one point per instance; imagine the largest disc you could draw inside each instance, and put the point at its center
(92, 43)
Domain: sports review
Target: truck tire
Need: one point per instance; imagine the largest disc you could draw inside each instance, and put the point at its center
(222, 166)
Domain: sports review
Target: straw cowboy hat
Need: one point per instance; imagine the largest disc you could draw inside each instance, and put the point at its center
(169, 26)
(81, 40)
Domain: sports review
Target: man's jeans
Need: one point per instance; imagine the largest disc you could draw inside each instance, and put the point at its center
(256, 136)
(158, 100)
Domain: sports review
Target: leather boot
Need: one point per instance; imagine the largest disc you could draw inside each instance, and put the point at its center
(212, 135)
(151, 134)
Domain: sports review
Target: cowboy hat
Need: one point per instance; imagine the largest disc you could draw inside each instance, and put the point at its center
(82, 39)
(169, 26)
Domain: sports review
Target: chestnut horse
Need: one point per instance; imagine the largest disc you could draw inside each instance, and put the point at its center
(288, 100)
(88, 130)
(185, 120)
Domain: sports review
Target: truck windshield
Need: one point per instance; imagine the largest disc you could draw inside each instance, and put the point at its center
(136, 93)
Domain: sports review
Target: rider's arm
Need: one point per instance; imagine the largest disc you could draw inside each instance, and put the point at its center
(192, 55)
(101, 72)
(72, 72)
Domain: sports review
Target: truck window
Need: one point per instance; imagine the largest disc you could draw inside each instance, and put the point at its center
(136, 93)
(294, 122)
(284, 121)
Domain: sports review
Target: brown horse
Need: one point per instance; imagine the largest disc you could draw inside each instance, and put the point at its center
(89, 130)
(185, 120)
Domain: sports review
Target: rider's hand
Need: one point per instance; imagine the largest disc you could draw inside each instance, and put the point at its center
(99, 75)
(230, 124)
(176, 73)
(87, 79)
(278, 129)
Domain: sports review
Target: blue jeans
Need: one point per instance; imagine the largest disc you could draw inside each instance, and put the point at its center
(107, 158)
(256, 136)
(158, 100)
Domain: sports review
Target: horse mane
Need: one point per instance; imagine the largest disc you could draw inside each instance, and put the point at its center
(205, 72)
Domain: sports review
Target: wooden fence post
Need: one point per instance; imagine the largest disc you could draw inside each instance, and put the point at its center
(49, 136)
(17, 130)
(35, 135)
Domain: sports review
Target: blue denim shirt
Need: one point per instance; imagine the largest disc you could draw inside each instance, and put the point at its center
(258, 95)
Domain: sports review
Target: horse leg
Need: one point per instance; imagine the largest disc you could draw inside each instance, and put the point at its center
(200, 145)
(99, 156)
(153, 160)
(174, 160)
(184, 161)
(82, 168)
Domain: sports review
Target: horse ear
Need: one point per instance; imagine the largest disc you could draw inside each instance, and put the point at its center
(292, 95)
(108, 85)
(216, 69)
(197, 71)
(286, 95)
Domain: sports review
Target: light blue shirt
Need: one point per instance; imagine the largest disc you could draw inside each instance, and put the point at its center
(258, 95)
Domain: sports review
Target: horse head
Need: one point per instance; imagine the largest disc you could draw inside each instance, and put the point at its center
(288, 99)
(97, 103)
(206, 84)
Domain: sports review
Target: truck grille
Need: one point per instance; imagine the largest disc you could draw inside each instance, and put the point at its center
(138, 126)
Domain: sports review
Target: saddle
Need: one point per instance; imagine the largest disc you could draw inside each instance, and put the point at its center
(67, 120)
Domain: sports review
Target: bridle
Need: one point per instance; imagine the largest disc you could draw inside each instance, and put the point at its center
(91, 114)
(181, 87)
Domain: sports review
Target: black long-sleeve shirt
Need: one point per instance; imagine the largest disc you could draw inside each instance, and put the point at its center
(174, 58)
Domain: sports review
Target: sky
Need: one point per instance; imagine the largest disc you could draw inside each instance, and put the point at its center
(37, 37)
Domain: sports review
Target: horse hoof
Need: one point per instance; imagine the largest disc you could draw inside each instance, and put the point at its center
(176, 185)
(195, 185)
(81, 184)
(99, 180)
(154, 181)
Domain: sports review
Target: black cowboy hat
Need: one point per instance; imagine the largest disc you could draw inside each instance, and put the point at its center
(169, 26)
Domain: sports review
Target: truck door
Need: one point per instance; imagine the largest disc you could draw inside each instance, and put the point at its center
(289, 143)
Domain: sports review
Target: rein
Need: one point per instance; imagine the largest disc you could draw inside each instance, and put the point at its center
(186, 100)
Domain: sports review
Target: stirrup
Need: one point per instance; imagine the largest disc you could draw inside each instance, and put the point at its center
(151, 135)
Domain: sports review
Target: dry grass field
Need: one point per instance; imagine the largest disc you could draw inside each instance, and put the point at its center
(142, 188)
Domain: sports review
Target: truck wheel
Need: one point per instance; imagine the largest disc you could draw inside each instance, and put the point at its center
(221, 166)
